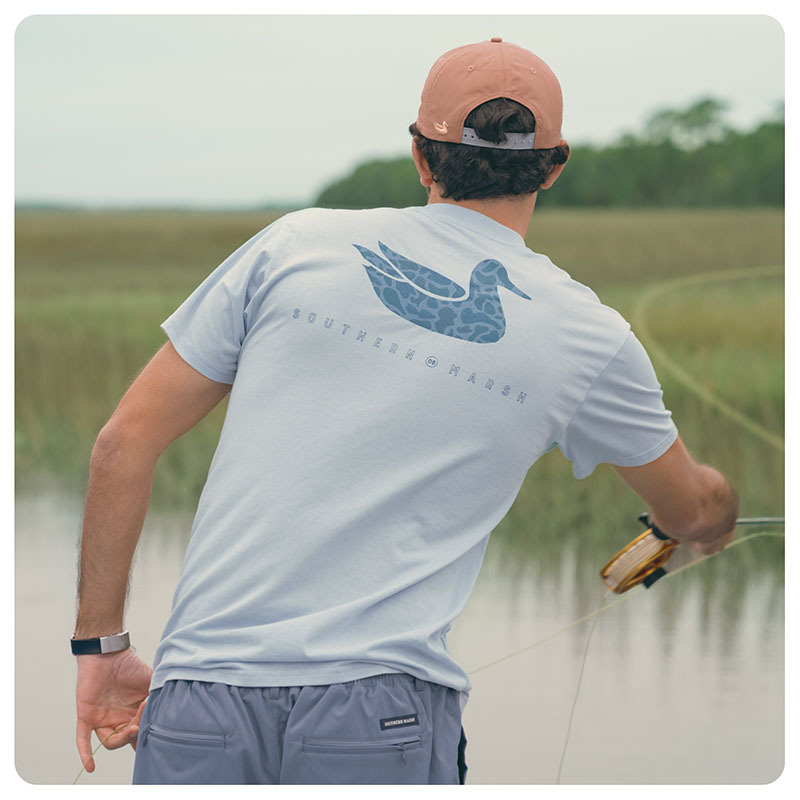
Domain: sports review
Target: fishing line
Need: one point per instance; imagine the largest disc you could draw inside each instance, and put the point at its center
(641, 314)
(578, 688)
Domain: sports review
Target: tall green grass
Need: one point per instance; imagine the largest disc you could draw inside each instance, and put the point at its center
(632, 248)
(92, 288)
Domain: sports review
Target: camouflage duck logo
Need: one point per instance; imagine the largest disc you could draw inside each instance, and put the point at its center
(431, 300)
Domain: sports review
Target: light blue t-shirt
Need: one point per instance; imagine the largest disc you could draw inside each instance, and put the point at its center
(395, 374)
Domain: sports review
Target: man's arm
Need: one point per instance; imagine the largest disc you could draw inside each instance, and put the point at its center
(690, 502)
(167, 399)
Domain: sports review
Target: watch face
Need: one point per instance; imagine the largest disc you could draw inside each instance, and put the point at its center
(84, 647)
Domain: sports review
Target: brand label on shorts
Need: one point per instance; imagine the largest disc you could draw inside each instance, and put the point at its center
(399, 722)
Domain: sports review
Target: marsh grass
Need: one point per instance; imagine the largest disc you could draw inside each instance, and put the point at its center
(92, 289)
(635, 247)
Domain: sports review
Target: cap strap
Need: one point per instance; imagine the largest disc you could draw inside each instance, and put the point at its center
(514, 141)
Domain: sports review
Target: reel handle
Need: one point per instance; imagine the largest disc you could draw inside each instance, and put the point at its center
(659, 572)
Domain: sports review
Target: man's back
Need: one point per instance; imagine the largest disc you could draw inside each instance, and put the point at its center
(397, 371)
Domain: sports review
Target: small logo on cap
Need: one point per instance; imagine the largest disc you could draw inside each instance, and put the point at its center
(440, 127)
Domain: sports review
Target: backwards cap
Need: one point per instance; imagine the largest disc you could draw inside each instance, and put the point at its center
(463, 78)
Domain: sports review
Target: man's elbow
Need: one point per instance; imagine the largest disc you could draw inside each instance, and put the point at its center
(121, 444)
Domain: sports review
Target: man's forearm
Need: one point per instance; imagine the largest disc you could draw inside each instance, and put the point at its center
(120, 482)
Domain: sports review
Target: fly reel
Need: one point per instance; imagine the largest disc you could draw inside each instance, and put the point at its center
(641, 561)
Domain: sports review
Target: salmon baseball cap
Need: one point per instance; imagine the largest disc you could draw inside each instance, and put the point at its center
(463, 78)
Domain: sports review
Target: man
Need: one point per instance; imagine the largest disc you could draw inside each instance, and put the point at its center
(393, 374)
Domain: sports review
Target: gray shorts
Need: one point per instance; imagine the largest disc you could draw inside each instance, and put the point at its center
(385, 729)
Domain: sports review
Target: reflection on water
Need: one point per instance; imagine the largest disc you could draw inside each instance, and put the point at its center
(683, 683)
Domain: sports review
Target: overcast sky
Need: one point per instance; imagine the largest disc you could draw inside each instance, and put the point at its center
(242, 110)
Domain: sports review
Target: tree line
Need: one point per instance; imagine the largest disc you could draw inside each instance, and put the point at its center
(688, 157)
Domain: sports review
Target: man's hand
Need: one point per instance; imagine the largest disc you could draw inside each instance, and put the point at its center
(692, 503)
(112, 691)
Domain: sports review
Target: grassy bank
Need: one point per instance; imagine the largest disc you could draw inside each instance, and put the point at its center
(92, 288)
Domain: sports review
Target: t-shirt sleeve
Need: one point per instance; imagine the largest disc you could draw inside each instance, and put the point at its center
(622, 419)
(209, 327)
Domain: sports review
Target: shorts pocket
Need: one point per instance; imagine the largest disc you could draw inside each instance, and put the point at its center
(171, 756)
(389, 760)
(397, 745)
(186, 737)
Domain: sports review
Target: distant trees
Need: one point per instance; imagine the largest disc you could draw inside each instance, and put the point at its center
(688, 157)
(698, 125)
(377, 183)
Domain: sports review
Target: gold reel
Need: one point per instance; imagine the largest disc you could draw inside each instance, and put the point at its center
(641, 561)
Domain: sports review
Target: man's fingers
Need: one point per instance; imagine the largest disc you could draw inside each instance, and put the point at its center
(124, 733)
(114, 738)
(709, 546)
(717, 546)
(83, 739)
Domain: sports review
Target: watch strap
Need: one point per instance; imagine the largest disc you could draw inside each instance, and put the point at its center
(101, 644)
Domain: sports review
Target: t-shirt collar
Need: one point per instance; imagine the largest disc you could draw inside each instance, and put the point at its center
(475, 221)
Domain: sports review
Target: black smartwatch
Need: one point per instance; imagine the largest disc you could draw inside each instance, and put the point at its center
(100, 644)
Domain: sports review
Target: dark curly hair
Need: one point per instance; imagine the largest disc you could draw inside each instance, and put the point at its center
(465, 172)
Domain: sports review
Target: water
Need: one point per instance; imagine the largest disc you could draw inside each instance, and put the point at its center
(678, 687)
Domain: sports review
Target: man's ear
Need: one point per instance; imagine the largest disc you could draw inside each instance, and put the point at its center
(553, 176)
(421, 163)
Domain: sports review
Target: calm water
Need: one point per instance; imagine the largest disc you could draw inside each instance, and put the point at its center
(673, 691)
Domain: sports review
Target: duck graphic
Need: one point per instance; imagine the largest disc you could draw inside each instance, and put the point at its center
(431, 300)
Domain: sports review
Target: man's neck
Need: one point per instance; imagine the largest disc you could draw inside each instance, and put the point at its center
(514, 213)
